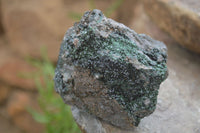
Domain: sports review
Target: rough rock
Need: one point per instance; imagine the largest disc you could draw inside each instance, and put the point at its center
(180, 18)
(87, 122)
(178, 107)
(110, 71)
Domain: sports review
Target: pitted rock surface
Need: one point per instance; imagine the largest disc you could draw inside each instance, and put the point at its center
(110, 71)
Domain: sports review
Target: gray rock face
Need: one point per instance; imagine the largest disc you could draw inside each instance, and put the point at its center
(110, 71)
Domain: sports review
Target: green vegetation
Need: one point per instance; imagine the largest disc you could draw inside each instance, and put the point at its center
(54, 114)
(108, 11)
(113, 7)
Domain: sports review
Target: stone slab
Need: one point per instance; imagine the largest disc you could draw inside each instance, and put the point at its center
(180, 18)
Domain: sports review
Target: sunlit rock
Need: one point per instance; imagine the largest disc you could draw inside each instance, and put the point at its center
(110, 71)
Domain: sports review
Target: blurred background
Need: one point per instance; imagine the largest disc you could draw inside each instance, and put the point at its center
(31, 32)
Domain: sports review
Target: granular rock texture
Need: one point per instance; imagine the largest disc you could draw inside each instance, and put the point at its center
(110, 71)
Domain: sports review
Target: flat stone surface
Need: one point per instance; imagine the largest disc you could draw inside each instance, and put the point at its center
(180, 18)
(178, 107)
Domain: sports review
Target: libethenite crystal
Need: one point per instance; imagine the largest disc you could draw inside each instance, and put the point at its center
(110, 71)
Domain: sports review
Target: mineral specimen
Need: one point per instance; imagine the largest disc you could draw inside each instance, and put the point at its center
(110, 71)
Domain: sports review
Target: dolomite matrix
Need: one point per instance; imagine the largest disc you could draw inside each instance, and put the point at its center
(109, 71)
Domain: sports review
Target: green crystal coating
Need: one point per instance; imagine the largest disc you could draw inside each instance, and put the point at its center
(132, 66)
